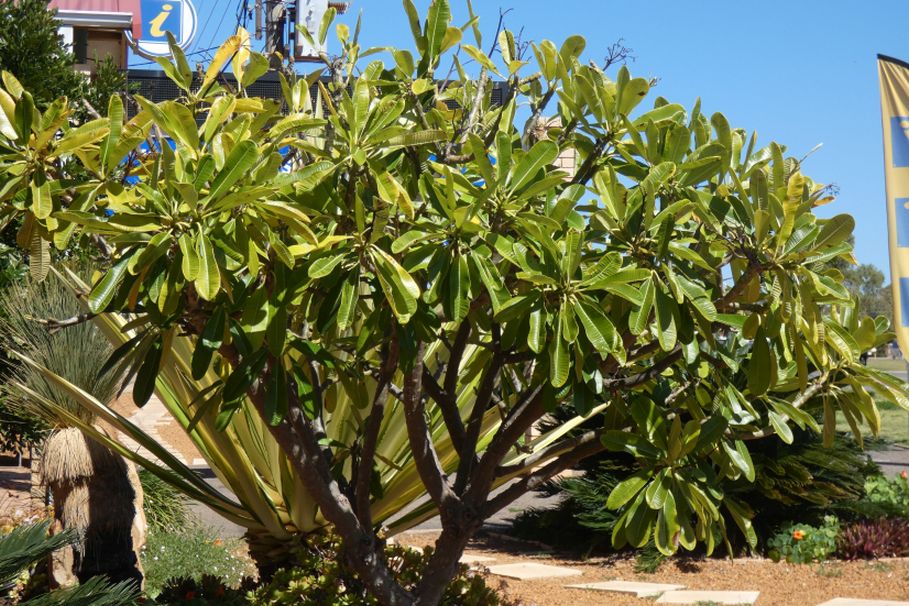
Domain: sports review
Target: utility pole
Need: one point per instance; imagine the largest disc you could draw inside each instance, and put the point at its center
(275, 26)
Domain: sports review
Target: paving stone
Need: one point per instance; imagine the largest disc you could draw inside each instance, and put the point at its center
(718, 597)
(641, 590)
(858, 602)
(475, 559)
(531, 570)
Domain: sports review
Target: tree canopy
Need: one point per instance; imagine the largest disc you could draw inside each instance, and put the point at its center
(395, 256)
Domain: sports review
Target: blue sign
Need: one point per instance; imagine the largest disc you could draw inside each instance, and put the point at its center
(904, 302)
(161, 16)
(899, 137)
(901, 212)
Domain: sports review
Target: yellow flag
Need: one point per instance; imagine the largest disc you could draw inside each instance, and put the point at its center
(894, 77)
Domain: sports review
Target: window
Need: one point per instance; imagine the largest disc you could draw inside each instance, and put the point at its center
(80, 44)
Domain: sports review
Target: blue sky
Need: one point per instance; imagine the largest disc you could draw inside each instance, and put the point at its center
(797, 72)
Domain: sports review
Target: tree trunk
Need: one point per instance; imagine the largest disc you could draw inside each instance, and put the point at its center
(443, 565)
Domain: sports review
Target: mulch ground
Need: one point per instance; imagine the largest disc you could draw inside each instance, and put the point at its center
(780, 584)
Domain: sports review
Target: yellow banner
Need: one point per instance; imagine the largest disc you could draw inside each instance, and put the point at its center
(894, 77)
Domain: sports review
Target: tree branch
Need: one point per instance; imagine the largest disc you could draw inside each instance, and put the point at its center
(540, 477)
(554, 450)
(363, 476)
(449, 408)
(424, 453)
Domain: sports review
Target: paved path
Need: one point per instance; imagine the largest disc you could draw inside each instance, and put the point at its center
(149, 418)
(892, 461)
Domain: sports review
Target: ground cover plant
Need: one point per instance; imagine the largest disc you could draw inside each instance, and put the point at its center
(389, 318)
(192, 552)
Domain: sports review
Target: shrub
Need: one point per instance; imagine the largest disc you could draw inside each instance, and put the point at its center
(191, 554)
(581, 521)
(207, 590)
(321, 580)
(884, 538)
(890, 495)
(802, 543)
(803, 480)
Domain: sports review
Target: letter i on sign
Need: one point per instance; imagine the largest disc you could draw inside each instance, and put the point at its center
(162, 16)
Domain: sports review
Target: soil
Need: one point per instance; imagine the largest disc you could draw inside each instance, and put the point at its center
(780, 584)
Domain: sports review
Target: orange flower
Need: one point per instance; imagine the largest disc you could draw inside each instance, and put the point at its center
(218, 542)
(798, 535)
(904, 475)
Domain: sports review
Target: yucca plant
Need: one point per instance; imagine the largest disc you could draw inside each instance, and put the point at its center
(78, 353)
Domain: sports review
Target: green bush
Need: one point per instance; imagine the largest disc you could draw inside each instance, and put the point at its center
(804, 480)
(321, 579)
(891, 495)
(803, 543)
(191, 554)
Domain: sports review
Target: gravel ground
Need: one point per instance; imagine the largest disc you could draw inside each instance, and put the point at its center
(780, 584)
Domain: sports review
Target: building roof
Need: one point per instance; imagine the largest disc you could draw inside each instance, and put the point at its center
(108, 11)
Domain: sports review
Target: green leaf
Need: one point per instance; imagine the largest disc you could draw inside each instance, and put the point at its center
(208, 281)
(759, 366)
(536, 335)
(458, 302)
(541, 155)
(626, 490)
(115, 114)
(666, 308)
(598, 327)
(211, 339)
(640, 317)
(559, 359)
(42, 202)
(191, 262)
(239, 381)
(400, 289)
(437, 21)
(148, 374)
(348, 307)
(103, 292)
(740, 458)
(835, 231)
(276, 395)
(237, 165)
(413, 18)
(324, 266)
(781, 426)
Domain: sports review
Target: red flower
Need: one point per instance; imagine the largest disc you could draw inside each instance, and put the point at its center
(190, 595)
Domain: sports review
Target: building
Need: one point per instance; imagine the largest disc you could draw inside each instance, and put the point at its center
(94, 29)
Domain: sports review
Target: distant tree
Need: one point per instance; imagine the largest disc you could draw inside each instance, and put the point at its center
(32, 50)
(866, 283)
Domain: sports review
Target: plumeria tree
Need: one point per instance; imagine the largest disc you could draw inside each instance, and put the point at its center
(424, 270)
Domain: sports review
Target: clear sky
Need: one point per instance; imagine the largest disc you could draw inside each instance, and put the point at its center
(800, 72)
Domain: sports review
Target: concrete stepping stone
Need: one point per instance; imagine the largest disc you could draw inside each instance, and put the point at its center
(524, 571)
(858, 602)
(641, 590)
(717, 597)
(468, 558)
